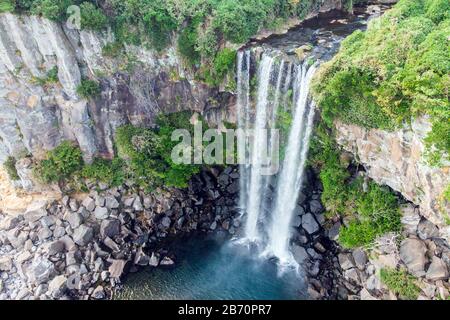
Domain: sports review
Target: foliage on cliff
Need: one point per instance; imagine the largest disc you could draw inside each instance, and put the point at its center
(60, 163)
(203, 26)
(398, 69)
(148, 152)
(371, 210)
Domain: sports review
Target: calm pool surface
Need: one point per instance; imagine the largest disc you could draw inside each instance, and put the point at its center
(210, 269)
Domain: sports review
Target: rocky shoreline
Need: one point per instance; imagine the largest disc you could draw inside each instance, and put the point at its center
(79, 248)
(82, 246)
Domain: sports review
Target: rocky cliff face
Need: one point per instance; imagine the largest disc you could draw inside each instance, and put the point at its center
(396, 159)
(35, 116)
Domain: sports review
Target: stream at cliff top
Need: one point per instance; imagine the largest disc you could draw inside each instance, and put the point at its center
(209, 268)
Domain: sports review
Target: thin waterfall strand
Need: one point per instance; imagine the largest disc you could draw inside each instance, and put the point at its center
(289, 181)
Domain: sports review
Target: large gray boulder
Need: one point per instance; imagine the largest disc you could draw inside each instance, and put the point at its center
(110, 228)
(83, 235)
(101, 213)
(41, 270)
(412, 253)
(437, 270)
(309, 223)
(36, 211)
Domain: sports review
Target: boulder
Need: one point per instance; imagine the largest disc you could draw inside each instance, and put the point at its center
(412, 253)
(427, 230)
(116, 268)
(154, 260)
(41, 270)
(57, 286)
(333, 232)
(410, 218)
(73, 205)
(167, 261)
(101, 213)
(299, 253)
(83, 235)
(98, 293)
(141, 258)
(316, 207)
(365, 295)
(166, 222)
(5, 263)
(345, 261)
(309, 223)
(54, 247)
(137, 204)
(110, 228)
(437, 270)
(35, 211)
(89, 204)
(111, 202)
(360, 258)
(75, 219)
(111, 244)
(10, 222)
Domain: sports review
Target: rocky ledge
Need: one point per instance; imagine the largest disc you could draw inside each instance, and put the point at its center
(80, 247)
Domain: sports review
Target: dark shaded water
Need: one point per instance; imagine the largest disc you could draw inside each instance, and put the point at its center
(211, 269)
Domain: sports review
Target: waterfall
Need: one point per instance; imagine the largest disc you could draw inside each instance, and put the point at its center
(259, 148)
(243, 101)
(290, 178)
(275, 77)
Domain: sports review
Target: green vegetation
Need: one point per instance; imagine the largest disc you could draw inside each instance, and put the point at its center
(401, 283)
(92, 17)
(148, 152)
(10, 167)
(143, 155)
(372, 211)
(110, 172)
(88, 89)
(398, 69)
(50, 78)
(50, 9)
(60, 163)
(222, 64)
(6, 6)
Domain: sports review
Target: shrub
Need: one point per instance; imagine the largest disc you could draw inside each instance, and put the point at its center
(148, 152)
(400, 282)
(88, 89)
(92, 17)
(50, 78)
(187, 43)
(60, 163)
(51, 9)
(10, 167)
(222, 64)
(377, 213)
(6, 6)
(110, 172)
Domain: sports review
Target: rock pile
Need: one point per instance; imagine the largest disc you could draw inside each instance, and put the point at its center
(81, 247)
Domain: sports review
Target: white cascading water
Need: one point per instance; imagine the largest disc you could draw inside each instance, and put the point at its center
(243, 101)
(270, 95)
(291, 176)
(259, 148)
